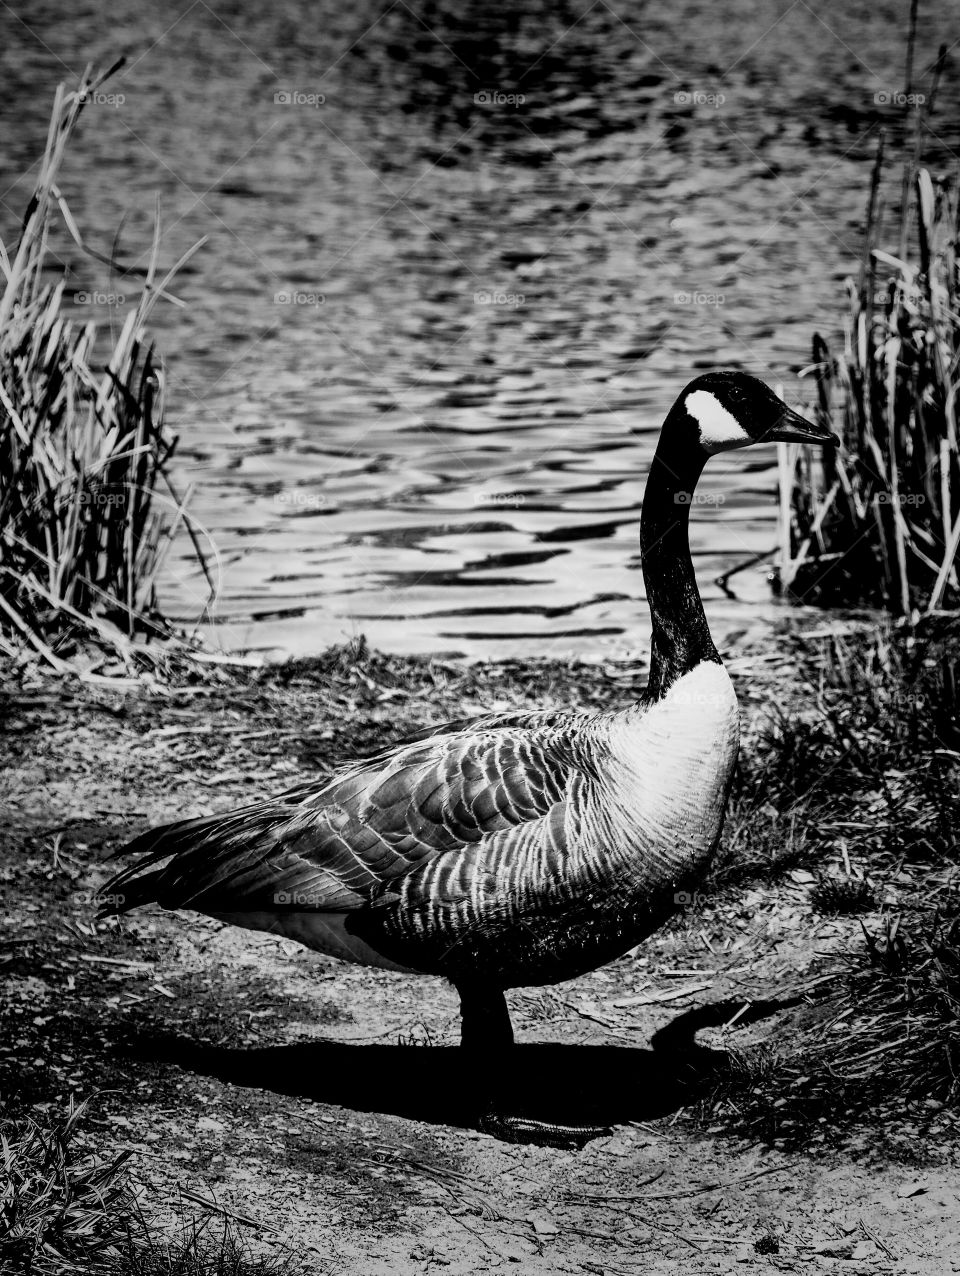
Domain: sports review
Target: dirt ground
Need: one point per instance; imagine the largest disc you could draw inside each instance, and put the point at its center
(323, 1105)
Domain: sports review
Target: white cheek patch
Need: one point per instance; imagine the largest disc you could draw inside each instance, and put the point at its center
(719, 429)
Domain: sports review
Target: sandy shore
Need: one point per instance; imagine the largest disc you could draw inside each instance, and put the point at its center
(322, 1103)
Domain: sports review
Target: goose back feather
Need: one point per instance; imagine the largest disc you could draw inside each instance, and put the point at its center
(524, 848)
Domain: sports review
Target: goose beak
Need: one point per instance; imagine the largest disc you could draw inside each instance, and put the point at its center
(793, 428)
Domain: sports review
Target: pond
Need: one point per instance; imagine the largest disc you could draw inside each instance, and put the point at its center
(460, 260)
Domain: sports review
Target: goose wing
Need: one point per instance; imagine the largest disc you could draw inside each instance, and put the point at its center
(339, 846)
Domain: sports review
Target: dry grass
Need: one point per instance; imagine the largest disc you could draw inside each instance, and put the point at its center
(65, 1210)
(879, 1042)
(858, 765)
(863, 764)
(880, 522)
(59, 1208)
(87, 505)
(198, 1251)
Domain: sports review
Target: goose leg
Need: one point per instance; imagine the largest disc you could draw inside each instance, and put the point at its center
(486, 1034)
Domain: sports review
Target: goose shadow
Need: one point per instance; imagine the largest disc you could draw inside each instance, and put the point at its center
(574, 1084)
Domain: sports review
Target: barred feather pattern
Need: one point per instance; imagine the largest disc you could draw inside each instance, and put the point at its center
(521, 848)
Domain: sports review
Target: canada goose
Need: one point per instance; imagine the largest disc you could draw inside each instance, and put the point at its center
(520, 848)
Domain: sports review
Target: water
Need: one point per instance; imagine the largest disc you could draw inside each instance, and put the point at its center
(425, 352)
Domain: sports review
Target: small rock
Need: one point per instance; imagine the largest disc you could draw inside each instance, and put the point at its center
(863, 1250)
(909, 1189)
(542, 1225)
(834, 1248)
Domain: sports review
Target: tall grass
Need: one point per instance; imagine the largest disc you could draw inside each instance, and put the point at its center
(879, 524)
(87, 505)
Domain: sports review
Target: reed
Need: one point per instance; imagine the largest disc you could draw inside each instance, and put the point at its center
(879, 524)
(88, 508)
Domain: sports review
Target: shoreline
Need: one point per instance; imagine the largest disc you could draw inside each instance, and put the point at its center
(322, 1099)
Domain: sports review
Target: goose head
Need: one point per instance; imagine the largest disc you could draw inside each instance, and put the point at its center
(726, 410)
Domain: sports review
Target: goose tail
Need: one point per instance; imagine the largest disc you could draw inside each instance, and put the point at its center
(168, 857)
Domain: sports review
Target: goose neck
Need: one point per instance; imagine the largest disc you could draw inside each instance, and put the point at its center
(681, 638)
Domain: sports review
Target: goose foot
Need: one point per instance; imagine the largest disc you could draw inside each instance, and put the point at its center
(547, 1134)
(487, 1040)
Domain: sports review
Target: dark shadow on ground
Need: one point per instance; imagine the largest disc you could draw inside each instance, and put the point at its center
(572, 1084)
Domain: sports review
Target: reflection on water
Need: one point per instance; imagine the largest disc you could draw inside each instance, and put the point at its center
(442, 312)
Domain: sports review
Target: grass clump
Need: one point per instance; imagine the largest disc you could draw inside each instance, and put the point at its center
(196, 1252)
(855, 778)
(879, 523)
(857, 767)
(842, 893)
(58, 1208)
(878, 1042)
(65, 1210)
(87, 505)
